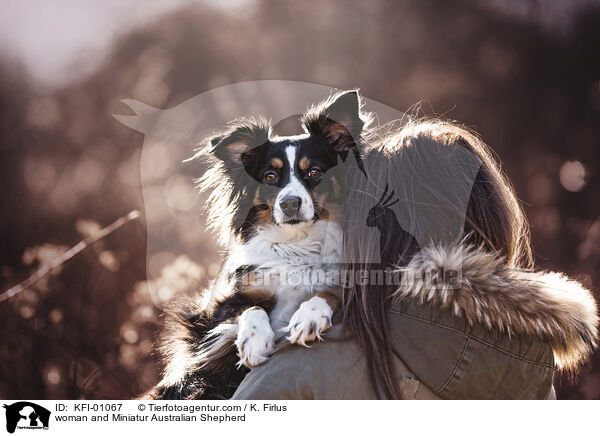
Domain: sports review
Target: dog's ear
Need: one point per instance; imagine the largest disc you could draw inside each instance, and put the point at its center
(339, 119)
(235, 145)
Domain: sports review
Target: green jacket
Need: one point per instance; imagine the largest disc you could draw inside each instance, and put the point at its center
(495, 333)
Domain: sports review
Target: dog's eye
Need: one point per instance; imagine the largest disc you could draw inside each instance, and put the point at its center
(315, 172)
(270, 177)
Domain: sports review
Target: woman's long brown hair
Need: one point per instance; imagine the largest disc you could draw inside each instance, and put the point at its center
(449, 188)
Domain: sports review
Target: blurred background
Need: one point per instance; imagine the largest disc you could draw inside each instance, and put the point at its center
(524, 74)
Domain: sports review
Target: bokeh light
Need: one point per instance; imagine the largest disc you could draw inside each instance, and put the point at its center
(572, 176)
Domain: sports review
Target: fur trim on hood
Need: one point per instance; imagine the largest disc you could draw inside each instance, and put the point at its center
(483, 289)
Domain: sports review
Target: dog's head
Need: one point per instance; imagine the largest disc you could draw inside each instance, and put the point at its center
(269, 179)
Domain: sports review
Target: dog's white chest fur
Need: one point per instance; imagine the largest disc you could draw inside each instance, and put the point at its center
(291, 263)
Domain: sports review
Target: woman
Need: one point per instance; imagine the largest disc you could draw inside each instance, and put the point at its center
(462, 315)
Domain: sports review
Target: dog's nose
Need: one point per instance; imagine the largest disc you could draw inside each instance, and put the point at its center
(290, 205)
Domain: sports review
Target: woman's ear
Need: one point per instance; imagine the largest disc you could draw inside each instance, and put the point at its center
(339, 119)
(234, 145)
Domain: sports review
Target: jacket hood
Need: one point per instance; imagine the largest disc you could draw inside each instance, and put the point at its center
(480, 287)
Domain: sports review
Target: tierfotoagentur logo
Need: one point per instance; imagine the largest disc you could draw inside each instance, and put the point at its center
(26, 415)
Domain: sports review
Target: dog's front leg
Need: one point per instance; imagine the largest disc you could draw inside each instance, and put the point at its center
(255, 339)
(312, 318)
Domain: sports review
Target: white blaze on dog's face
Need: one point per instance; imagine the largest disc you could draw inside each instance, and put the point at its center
(287, 180)
(293, 203)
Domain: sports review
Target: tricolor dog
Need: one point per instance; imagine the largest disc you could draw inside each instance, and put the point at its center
(275, 199)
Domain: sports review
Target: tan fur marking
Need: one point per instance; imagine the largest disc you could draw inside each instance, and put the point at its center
(304, 163)
(264, 216)
(256, 200)
(254, 308)
(330, 298)
(257, 292)
(276, 163)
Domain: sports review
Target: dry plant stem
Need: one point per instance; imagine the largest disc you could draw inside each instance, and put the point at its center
(68, 255)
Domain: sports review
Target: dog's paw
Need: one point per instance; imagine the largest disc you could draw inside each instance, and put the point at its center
(309, 321)
(255, 337)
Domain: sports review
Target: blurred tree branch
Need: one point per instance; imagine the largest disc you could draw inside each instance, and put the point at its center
(68, 255)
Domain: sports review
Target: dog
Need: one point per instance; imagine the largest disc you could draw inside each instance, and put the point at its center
(274, 200)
